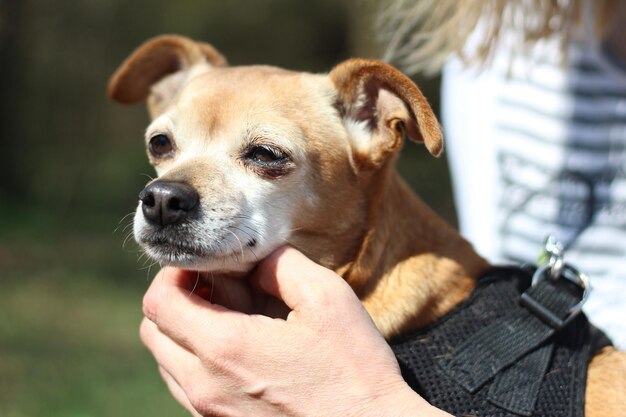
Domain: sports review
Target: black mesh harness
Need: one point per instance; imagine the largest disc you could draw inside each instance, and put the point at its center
(510, 349)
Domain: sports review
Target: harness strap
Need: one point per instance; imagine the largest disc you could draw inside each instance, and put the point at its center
(516, 389)
(511, 349)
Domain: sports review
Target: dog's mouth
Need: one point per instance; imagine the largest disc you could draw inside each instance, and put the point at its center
(174, 249)
(179, 246)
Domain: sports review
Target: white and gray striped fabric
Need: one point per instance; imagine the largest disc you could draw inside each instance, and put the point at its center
(538, 147)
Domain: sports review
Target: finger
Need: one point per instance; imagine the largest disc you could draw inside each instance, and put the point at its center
(234, 294)
(167, 278)
(181, 277)
(180, 363)
(184, 373)
(184, 316)
(296, 280)
(177, 392)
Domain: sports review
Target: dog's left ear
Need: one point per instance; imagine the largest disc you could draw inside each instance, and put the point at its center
(387, 105)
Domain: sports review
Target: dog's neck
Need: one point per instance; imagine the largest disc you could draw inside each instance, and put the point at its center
(412, 267)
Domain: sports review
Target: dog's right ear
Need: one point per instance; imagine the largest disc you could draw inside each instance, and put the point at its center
(158, 68)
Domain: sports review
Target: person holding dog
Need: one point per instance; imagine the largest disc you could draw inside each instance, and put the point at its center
(534, 117)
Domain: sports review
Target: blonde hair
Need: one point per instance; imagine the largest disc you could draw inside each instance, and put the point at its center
(420, 35)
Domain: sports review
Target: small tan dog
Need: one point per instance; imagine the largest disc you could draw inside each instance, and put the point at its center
(251, 158)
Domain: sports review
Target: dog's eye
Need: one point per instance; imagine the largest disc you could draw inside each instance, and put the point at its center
(160, 145)
(268, 161)
(265, 155)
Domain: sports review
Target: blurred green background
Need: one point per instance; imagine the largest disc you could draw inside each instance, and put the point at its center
(73, 163)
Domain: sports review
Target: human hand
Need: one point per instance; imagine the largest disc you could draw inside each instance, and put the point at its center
(325, 359)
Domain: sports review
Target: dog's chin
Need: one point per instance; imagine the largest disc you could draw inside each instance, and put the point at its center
(231, 263)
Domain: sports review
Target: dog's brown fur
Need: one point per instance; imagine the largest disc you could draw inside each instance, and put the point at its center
(406, 264)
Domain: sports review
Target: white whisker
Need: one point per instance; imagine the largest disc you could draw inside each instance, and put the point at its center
(119, 224)
(239, 240)
(212, 287)
(128, 237)
(196, 284)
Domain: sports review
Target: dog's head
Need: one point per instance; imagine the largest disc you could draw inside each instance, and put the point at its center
(251, 158)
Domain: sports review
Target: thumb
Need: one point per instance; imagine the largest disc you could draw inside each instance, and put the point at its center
(296, 280)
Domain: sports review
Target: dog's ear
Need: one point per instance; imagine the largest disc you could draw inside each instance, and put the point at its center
(158, 68)
(379, 102)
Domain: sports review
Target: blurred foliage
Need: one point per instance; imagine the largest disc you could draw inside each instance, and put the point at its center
(70, 294)
(69, 147)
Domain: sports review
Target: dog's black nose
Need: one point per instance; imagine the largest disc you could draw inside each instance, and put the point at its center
(164, 202)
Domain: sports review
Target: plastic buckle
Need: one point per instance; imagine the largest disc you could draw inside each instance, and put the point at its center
(569, 273)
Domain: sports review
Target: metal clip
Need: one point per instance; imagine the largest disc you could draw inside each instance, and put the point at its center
(555, 268)
(552, 255)
(569, 273)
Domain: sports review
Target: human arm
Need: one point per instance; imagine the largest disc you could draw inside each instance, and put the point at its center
(325, 359)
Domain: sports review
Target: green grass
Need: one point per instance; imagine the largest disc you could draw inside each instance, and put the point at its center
(70, 307)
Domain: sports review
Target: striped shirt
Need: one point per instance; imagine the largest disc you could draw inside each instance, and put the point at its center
(542, 146)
